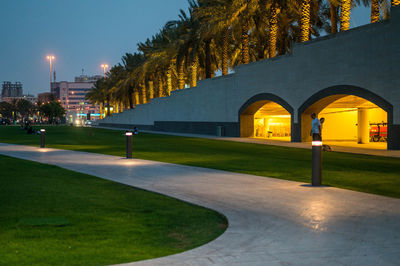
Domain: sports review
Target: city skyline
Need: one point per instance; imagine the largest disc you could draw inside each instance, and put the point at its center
(81, 36)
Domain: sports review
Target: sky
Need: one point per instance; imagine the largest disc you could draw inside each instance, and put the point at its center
(81, 34)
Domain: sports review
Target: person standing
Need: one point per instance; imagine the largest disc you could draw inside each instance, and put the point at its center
(315, 128)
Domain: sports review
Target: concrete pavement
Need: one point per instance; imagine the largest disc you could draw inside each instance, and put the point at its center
(271, 221)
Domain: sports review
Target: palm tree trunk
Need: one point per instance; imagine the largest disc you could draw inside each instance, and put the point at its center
(333, 13)
(225, 52)
(143, 92)
(374, 11)
(208, 58)
(131, 101)
(108, 107)
(121, 107)
(305, 21)
(160, 87)
(282, 45)
(101, 110)
(181, 75)
(193, 73)
(395, 2)
(169, 81)
(151, 89)
(345, 15)
(136, 98)
(273, 24)
(245, 43)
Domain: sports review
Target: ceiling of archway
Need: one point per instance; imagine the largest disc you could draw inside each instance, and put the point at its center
(271, 108)
(352, 101)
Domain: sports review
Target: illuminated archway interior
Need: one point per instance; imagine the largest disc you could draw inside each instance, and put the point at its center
(266, 119)
(348, 118)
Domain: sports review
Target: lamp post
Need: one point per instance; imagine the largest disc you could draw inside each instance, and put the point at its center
(50, 58)
(42, 138)
(128, 135)
(104, 66)
(316, 176)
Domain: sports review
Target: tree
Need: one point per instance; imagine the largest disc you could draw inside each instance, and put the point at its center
(52, 110)
(6, 110)
(25, 108)
(97, 95)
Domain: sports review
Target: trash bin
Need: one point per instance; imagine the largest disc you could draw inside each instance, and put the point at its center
(220, 131)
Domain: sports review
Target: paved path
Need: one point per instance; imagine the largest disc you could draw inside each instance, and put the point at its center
(348, 147)
(271, 221)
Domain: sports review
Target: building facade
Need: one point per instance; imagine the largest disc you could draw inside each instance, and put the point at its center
(13, 91)
(72, 97)
(351, 78)
(9, 89)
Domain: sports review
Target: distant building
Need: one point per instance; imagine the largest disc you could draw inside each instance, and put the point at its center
(84, 78)
(11, 89)
(27, 97)
(45, 97)
(72, 96)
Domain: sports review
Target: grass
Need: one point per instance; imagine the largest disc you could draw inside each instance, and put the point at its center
(53, 216)
(372, 174)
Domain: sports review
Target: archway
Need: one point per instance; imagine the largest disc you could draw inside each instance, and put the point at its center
(266, 116)
(352, 115)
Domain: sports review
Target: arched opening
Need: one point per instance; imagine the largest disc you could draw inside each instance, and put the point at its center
(266, 116)
(353, 117)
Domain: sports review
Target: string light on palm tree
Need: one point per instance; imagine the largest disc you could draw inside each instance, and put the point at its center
(104, 66)
(50, 58)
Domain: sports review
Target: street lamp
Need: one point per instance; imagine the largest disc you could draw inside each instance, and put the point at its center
(104, 66)
(50, 58)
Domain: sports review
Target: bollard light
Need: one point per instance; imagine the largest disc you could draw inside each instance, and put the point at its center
(42, 137)
(316, 179)
(128, 135)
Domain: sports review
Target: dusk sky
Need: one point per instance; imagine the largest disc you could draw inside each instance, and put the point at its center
(82, 34)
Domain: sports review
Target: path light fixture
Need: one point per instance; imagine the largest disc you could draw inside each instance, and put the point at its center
(129, 136)
(316, 179)
(42, 137)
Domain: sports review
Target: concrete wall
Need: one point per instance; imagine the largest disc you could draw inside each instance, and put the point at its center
(363, 61)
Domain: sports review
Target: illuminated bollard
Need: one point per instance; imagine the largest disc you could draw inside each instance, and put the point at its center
(42, 137)
(128, 135)
(316, 163)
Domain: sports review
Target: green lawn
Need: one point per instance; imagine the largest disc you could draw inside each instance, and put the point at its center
(53, 216)
(373, 174)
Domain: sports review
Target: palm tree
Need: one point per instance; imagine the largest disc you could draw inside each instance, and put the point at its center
(333, 14)
(305, 20)
(375, 15)
(97, 96)
(345, 15)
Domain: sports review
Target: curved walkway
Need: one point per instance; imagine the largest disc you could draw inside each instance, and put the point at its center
(271, 221)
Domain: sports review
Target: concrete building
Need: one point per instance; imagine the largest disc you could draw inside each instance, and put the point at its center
(9, 89)
(351, 78)
(72, 96)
